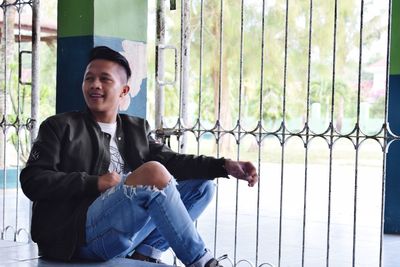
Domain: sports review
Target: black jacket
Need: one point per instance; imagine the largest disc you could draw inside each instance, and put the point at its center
(66, 159)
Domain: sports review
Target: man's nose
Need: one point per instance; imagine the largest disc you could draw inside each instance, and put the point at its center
(95, 84)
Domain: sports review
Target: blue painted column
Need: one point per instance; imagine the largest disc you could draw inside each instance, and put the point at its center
(82, 25)
(392, 197)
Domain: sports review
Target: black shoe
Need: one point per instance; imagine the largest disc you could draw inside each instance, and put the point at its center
(138, 256)
(215, 262)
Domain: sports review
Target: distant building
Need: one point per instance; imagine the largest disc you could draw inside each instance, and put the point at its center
(23, 27)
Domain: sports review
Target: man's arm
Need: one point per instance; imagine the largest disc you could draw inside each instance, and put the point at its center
(184, 166)
(189, 166)
(41, 178)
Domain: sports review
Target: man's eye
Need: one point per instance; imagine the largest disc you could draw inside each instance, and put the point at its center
(105, 79)
(88, 78)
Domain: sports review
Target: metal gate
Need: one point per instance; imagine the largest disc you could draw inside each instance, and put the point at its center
(293, 87)
(19, 103)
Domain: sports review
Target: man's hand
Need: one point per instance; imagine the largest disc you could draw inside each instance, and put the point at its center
(108, 180)
(243, 170)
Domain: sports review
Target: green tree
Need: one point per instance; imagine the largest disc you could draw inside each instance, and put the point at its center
(6, 55)
(226, 85)
(18, 94)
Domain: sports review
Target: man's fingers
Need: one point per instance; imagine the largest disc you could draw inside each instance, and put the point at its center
(243, 170)
(251, 173)
(108, 180)
(253, 180)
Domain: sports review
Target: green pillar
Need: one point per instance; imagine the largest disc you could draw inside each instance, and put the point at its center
(82, 25)
(392, 196)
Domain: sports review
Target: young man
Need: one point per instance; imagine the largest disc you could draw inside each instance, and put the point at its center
(102, 187)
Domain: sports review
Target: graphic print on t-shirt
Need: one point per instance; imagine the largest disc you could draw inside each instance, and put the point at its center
(116, 161)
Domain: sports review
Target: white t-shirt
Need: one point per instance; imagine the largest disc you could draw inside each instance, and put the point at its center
(116, 161)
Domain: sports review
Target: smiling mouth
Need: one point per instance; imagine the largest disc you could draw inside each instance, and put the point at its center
(96, 95)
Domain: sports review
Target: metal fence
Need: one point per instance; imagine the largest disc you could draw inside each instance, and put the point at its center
(297, 87)
(300, 89)
(19, 103)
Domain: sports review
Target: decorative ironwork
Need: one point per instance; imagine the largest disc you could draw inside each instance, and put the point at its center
(17, 128)
(331, 134)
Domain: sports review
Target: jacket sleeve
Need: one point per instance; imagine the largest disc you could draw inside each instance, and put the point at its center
(41, 179)
(184, 166)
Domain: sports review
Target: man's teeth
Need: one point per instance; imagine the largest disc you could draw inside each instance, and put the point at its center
(96, 95)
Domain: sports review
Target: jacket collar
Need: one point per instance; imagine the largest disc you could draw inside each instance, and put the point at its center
(88, 114)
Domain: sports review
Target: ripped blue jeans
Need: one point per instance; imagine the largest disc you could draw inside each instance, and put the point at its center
(149, 221)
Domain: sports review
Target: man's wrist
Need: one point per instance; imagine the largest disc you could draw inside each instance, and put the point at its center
(223, 171)
(225, 165)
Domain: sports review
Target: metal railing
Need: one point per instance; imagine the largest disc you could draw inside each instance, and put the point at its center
(288, 228)
(315, 176)
(19, 109)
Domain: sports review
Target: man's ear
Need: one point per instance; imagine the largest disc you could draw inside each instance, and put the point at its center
(125, 90)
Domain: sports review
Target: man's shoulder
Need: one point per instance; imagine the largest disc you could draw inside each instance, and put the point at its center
(65, 120)
(66, 116)
(137, 121)
(62, 123)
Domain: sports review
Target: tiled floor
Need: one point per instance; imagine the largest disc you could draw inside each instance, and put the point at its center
(391, 255)
(257, 235)
(22, 254)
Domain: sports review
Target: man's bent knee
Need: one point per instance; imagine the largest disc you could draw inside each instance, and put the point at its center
(150, 173)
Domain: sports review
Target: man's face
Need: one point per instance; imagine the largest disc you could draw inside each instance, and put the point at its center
(104, 85)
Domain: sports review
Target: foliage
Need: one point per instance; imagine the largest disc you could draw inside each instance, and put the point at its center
(17, 96)
(377, 108)
(321, 92)
(20, 96)
(286, 84)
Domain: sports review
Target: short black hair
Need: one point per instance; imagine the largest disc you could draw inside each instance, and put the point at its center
(104, 52)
